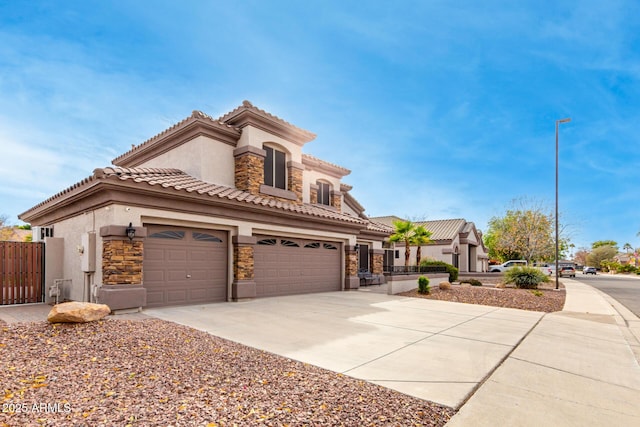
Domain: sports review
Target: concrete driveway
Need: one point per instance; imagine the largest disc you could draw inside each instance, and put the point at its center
(434, 350)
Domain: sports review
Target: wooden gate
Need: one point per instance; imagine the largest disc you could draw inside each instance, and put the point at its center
(21, 272)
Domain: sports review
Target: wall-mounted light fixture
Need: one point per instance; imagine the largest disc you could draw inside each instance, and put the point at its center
(356, 247)
(131, 231)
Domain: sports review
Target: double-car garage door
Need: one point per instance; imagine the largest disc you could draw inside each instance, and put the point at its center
(189, 266)
(285, 266)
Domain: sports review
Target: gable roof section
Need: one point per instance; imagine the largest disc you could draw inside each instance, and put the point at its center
(444, 229)
(197, 124)
(248, 114)
(331, 169)
(379, 227)
(387, 220)
(172, 180)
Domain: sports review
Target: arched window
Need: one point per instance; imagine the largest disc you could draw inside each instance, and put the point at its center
(275, 167)
(324, 193)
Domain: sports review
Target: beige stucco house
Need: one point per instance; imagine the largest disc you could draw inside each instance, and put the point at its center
(454, 241)
(209, 210)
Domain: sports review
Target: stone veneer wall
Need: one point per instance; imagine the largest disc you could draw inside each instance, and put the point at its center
(336, 201)
(377, 261)
(313, 199)
(243, 264)
(351, 280)
(249, 171)
(295, 182)
(122, 262)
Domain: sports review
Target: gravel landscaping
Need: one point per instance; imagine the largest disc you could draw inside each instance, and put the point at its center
(152, 372)
(157, 373)
(547, 299)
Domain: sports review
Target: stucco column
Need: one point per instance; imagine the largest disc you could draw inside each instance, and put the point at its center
(351, 280)
(122, 268)
(244, 285)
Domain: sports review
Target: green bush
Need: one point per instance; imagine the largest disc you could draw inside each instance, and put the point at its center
(472, 282)
(453, 272)
(423, 285)
(525, 277)
(625, 268)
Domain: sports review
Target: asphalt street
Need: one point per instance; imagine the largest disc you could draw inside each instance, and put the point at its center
(625, 289)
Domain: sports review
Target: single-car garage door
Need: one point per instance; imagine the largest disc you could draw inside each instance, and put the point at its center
(285, 266)
(184, 265)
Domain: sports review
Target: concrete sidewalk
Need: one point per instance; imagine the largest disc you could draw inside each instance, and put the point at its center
(578, 367)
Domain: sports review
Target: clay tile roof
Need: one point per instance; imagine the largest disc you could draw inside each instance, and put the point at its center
(177, 180)
(195, 116)
(378, 226)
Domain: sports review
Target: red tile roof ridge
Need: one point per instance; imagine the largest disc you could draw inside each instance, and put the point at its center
(195, 115)
(247, 105)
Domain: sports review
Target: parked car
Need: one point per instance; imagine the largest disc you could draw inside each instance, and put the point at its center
(507, 265)
(546, 268)
(567, 272)
(589, 270)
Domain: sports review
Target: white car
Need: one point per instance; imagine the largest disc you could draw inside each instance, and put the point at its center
(507, 265)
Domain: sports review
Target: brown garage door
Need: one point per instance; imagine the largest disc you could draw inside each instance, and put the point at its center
(285, 266)
(184, 265)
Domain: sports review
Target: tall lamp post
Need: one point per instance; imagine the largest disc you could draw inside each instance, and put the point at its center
(567, 120)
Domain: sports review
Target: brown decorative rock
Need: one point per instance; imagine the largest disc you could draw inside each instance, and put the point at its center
(500, 286)
(444, 286)
(77, 312)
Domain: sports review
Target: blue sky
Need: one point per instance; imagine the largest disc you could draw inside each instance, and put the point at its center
(441, 109)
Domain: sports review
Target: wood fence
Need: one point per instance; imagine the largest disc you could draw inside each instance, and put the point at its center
(21, 272)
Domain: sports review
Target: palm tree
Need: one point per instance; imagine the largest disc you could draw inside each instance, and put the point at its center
(404, 232)
(627, 247)
(420, 237)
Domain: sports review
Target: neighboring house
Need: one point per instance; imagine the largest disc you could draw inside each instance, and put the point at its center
(210, 210)
(454, 241)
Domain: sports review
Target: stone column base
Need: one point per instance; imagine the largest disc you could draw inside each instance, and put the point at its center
(351, 283)
(243, 289)
(121, 297)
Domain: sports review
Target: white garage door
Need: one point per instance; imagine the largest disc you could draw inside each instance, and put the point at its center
(285, 266)
(184, 265)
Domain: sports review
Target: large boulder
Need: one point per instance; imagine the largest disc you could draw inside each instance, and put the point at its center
(445, 286)
(77, 312)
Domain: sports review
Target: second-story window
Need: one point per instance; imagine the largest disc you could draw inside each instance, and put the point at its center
(275, 168)
(323, 193)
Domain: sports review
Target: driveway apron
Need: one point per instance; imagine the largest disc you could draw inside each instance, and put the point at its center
(433, 350)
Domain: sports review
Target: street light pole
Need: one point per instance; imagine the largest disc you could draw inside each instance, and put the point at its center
(567, 120)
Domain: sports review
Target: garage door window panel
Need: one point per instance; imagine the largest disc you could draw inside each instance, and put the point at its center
(203, 237)
(169, 234)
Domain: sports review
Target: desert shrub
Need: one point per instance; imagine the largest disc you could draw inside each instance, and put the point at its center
(536, 292)
(453, 272)
(525, 277)
(472, 282)
(625, 268)
(423, 285)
